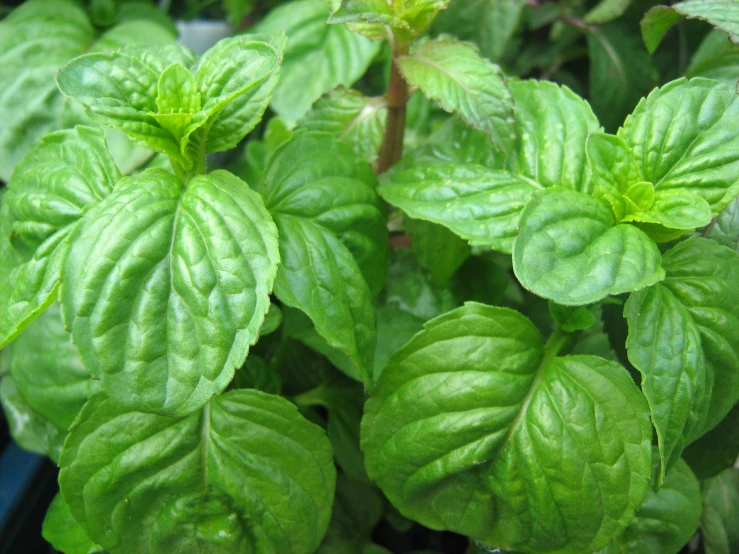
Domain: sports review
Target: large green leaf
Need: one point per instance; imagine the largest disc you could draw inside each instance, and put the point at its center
(246, 475)
(571, 250)
(476, 428)
(318, 57)
(165, 289)
(57, 182)
(333, 240)
(63, 532)
(703, 276)
(454, 74)
(666, 520)
(488, 23)
(36, 39)
(720, 521)
(677, 150)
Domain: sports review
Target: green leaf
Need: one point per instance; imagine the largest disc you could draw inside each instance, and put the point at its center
(716, 450)
(29, 429)
(571, 250)
(333, 240)
(621, 72)
(725, 230)
(664, 344)
(510, 446)
(245, 474)
(63, 531)
(39, 36)
(720, 521)
(381, 19)
(666, 520)
(165, 289)
(318, 58)
(478, 204)
(454, 74)
(48, 371)
(354, 119)
(674, 209)
(571, 319)
(655, 24)
(395, 327)
(257, 374)
(716, 58)
(606, 11)
(57, 182)
(703, 276)
(438, 250)
(490, 24)
(272, 320)
(137, 31)
(677, 150)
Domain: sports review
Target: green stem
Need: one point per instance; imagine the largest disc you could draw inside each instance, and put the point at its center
(397, 99)
(558, 342)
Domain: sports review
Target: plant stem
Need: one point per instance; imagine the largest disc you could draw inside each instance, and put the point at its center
(397, 99)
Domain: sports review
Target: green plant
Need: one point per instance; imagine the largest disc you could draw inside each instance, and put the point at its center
(552, 366)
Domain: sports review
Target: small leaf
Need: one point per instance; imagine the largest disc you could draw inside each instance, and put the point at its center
(439, 251)
(372, 17)
(655, 24)
(57, 182)
(674, 209)
(606, 11)
(466, 84)
(63, 531)
(676, 150)
(571, 318)
(245, 474)
(511, 447)
(720, 521)
(726, 229)
(165, 289)
(716, 450)
(716, 58)
(571, 250)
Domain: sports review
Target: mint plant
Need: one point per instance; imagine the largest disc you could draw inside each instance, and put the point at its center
(453, 298)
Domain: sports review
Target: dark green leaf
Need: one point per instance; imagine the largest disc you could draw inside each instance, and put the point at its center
(63, 532)
(716, 58)
(438, 250)
(720, 521)
(725, 230)
(716, 450)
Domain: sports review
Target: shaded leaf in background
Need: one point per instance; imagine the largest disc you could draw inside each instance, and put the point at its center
(716, 450)
(720, 520)
(716, 58)
(437, 249)
(725, 230)
(63, 531)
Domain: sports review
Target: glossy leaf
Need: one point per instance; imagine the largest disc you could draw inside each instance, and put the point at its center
(318, 58)
(166, 289)
(720, 521)
(510, 446)
(373, 17)
(571, 319)
(571, 250)
(454, 74)
(247, 474)
(59, 180)
(698, 155)
(607, 10)
(666, 520)
(333, 240)
(63, 532)
(352, 118)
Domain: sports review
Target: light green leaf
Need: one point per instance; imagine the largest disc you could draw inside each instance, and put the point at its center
(510, 446)
(677, 150)
(454, 74)
(57, 182)
(438, 250)
(380, 19)
(38, 37)
(571, 319)
(63, 532)
(666, 520)
(550, 147)
(333, 240)
(29, 429)
(664, 344)
(571, 250)
(703, 276)
(716, 450)
(720, 521)
(479, 204)
(352, 118)
(716, 58)
(247, 474)
(722, 14)
(674, 209)
(725, 230)
(318, 58)
(488, 23)
(606, 10)
(165, 289)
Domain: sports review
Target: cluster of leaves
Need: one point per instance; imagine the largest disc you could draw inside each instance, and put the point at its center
(524, 330)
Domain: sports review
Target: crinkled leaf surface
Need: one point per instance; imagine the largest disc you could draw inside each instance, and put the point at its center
(165, 289)
(63, 531)
(318, 57)
(678, 150)
(666, 520)
(725, 230)
(474, 429)
(720, 520)
(245, 475)
(59, 180)
(333, 240)
(571, 250)
(454, 74)
(352, 118)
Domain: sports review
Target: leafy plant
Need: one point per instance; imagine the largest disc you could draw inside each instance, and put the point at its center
(457, 297)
